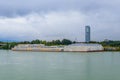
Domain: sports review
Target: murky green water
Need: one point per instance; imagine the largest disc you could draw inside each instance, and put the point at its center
(59, 66)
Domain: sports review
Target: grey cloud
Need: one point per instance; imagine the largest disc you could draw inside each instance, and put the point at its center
(23, 7)
(56, 19)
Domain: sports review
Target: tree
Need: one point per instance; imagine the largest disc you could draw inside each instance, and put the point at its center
(44, 42)
(36, 41)
(57, 42)
(25, 42)
(66, 42)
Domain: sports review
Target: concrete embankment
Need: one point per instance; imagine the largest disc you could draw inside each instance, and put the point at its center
(69, 48)
(39, 49)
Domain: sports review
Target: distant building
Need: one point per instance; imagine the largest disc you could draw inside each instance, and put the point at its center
(87, 34)
(78, 47)
(82, 47)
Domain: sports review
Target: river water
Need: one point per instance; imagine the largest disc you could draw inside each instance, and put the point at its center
(59, 65)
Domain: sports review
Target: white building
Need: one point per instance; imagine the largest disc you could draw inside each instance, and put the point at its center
(83, 47)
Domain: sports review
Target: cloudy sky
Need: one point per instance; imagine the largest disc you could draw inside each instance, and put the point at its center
(57, 19)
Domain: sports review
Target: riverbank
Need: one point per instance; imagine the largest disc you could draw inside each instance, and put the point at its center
(82, 47)
(107, 45)
(109, 48)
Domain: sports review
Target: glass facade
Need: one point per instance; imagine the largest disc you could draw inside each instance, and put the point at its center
(87, 34)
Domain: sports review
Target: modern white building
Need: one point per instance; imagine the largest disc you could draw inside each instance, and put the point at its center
(37, 47)
(83, 47)
(70, 48)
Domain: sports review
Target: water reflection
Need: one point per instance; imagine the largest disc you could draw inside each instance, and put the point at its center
(59, 66)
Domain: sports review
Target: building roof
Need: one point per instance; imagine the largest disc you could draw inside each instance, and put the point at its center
(84, 44)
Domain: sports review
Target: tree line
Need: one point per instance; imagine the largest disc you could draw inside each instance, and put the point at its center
(9, 45)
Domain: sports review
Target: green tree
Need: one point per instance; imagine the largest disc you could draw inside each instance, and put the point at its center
(66, 42)
(58, 42)
(24, 42)
(36, 41)
(44, 42)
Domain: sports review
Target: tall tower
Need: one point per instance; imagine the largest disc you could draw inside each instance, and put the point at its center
(87, 34)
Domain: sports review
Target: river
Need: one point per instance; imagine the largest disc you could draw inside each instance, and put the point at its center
(59, 65)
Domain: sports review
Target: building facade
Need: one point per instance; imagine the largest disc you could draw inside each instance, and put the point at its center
(87, 34)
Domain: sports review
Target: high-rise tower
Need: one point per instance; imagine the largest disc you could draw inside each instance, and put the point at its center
(87, 34)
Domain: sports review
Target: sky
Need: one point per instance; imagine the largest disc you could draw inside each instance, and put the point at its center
(22, 20)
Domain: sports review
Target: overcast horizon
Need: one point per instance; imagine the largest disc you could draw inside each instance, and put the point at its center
(22, 20)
